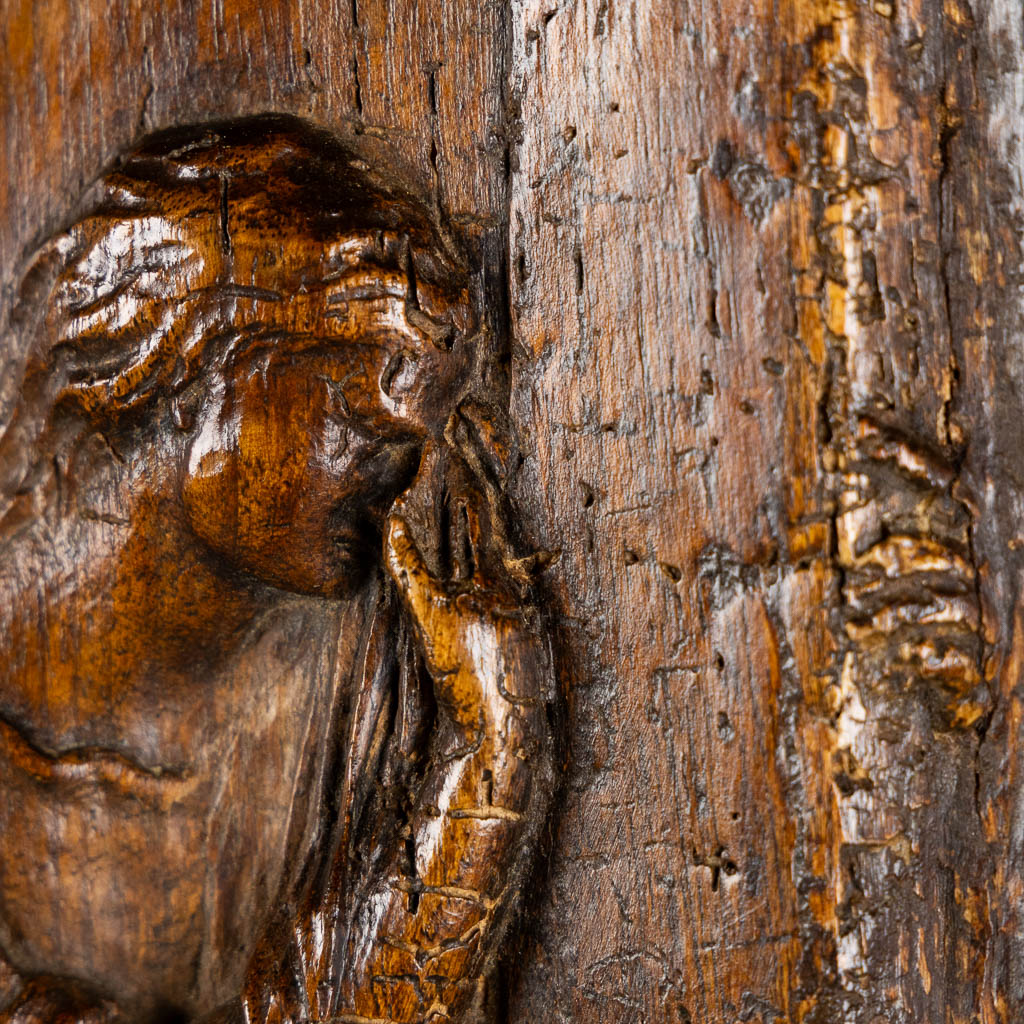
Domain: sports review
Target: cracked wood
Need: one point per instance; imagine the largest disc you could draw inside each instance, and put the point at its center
(763, 268)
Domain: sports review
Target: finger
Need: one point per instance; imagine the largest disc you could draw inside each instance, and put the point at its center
(423, 593)
(461, 546)
(425, 597)
(421, 482)
(473, 542)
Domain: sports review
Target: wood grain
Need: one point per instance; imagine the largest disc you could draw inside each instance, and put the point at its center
(761, 271)
(762, 291)
(261, 760)
(657, 391)
(82, 82)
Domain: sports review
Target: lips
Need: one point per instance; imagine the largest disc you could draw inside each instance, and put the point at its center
(92, 766)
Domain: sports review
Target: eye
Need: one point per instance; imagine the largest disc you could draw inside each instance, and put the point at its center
(336, 389)
(399, 373)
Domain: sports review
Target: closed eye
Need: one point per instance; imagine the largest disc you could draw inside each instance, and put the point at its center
(390, 379)
(336, 389)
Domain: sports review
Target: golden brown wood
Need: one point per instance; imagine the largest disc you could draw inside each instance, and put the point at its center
(217, 722)
(750, 276)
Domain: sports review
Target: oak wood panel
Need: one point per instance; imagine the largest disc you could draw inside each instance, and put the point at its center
(765, 287)
(658, 388)
(764, 272)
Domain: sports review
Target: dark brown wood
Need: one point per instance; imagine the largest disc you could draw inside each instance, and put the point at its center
(765, 287)
(750, 288)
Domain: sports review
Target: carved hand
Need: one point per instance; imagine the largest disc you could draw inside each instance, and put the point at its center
(479, 646)
(426, 921)
(442, 903)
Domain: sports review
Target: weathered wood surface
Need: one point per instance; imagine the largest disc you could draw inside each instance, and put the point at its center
(257, 757)
(765, 289)
(224, 781)
(763, 284)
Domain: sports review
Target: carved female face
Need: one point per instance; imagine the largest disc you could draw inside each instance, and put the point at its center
(300, 318)
(239, 364)
(297, 455)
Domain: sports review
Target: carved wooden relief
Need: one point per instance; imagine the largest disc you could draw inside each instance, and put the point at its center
(547, 551)
(274, 704)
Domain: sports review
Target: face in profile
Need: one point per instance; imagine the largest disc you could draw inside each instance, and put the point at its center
(299, 452)
(246, 344)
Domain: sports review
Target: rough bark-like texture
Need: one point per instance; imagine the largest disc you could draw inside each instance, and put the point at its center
(764, 272)
(659, 389)
(765, 289)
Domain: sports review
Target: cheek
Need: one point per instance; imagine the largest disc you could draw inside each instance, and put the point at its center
(284, 491)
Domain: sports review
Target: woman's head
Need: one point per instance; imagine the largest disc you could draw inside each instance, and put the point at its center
(274, 335)
(301, 323)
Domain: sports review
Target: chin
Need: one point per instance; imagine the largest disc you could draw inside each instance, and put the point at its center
(351, 577)
(335, 564)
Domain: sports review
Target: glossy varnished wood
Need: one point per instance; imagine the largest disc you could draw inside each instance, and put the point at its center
(763, 273)
(229, 784)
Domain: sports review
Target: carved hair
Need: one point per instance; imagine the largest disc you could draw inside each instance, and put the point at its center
(149, 289)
